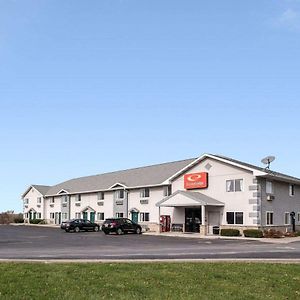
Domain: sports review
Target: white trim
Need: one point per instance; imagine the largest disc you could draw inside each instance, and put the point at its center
(269, 211)
(289, 218)
(118, 183)
(62, 192)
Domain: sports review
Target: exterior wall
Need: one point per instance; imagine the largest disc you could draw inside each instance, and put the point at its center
(282, 203)
(218, 173)
(50, 207)
(32, 197)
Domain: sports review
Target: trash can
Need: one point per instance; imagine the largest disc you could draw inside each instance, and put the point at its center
(216, 230)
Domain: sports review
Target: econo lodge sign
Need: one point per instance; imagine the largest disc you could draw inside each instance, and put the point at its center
(196, 181)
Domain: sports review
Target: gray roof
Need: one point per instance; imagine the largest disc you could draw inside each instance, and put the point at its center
(196, 196)
(269, 172)
(143, 176)
(43, 189)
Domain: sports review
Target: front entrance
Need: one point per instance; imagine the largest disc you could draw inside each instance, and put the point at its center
(192, 219)
(134, 216)
(92, 216)
(57, 218)
(85, 215)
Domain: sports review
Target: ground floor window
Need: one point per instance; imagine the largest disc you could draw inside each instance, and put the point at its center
(119, 215)
(100, 216)
(235, 217)
(26, 216)
(52, 216)
(144, 216)
(287, 218)
(77, 215)
(38, 215)
(269, 217)
(298, 217)
(64, 216)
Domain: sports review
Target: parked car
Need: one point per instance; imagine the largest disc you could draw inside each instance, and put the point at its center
(77, 225)
(120, 226)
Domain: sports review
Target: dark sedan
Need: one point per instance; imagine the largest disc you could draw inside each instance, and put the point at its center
(120, 226)
(77, 225)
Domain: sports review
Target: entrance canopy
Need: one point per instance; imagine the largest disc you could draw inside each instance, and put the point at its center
(188, 199)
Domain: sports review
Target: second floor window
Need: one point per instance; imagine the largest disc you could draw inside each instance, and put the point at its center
(145, 193)
(292, 190)
(120, 194)
(100, 196)
(52, 200)
(26, 201)
(269, 187)
(167, 190)
(234, 185)
(78, 198)
(39, 200)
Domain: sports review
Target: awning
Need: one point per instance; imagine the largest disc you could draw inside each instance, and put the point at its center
(187, 199)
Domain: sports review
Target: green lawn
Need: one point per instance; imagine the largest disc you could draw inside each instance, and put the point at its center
(149, 281)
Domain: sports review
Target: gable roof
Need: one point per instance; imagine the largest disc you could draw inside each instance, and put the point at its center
(137, 177)
(43, 189)
(198, 198)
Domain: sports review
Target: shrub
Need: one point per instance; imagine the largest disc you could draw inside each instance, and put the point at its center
(290, 234)
(230, 232)
(35, 221)
(273, 233)
(19, 219)
(297, 233)
(254, 233)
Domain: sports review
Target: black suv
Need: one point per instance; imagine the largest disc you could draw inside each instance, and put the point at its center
(80, 224)
(120, 226)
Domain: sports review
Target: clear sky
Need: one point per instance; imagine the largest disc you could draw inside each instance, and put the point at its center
(88, 87)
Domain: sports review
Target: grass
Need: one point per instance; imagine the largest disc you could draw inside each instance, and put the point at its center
(149, 281)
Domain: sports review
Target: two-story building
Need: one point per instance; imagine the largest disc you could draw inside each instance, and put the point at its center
(193, 195)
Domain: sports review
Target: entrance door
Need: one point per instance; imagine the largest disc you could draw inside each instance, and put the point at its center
(134, 216)
(192, 219)
(57, 218)
(85, 215)
(92, 216)
(213, 220)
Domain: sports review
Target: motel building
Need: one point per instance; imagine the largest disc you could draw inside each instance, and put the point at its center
(193, 195)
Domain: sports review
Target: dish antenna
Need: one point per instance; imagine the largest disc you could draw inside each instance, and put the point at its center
(267, 161)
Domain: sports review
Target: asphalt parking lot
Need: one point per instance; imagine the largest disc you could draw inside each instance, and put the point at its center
(44, 243)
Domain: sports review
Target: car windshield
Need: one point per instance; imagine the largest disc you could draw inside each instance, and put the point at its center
(108, 221)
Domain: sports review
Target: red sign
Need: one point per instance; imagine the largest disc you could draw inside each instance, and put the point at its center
(196, 181)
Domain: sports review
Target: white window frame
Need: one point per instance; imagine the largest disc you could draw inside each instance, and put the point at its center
(52, 215)
(78, 198)
(77, 215)
(39, 200)
(38, 215)
(287, 218)
(52, 200)
(143, 216)
(64, 216)
(64, 199)
(234, 185)
(119, 215)
(298, 216)
(118, 194)
(269, 187)
(100, 216)
(268, 219)
(234, 217)
(145, 192)
(26, 201)
(100, 196)
(292, 190)
(167, 190)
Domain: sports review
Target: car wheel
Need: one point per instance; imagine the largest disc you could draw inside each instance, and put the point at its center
(119, 231)
(106, 232)
(76, 229)
(138, 231)
(96, 228)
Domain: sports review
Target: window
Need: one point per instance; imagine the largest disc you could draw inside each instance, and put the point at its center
(235, 218)
(298, 216)
(100, 196)
(120, 194)
(26, 216)
(100, 216)
(234, 185)
(287, 218)
(144, 216)
(39, 199)
(167, 190)
(38, 215)
(64, 199)
(78, 198)
(269, 187)
(145, 193)
(119, 215)
(26, 201)
(77, 215)
(52, 216)
(269, 218)
(64, 216)
(52, 200)
(292, 190)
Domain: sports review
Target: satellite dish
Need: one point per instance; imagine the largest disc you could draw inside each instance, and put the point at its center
(267, 161)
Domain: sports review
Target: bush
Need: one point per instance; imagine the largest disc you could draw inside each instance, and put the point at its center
(254, 233)
(297, 233)
(19, 219)
(35, 221)
(273, 233)
(290, 234)
(230, 232)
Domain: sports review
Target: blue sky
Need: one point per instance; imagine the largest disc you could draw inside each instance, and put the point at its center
(97, 86)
